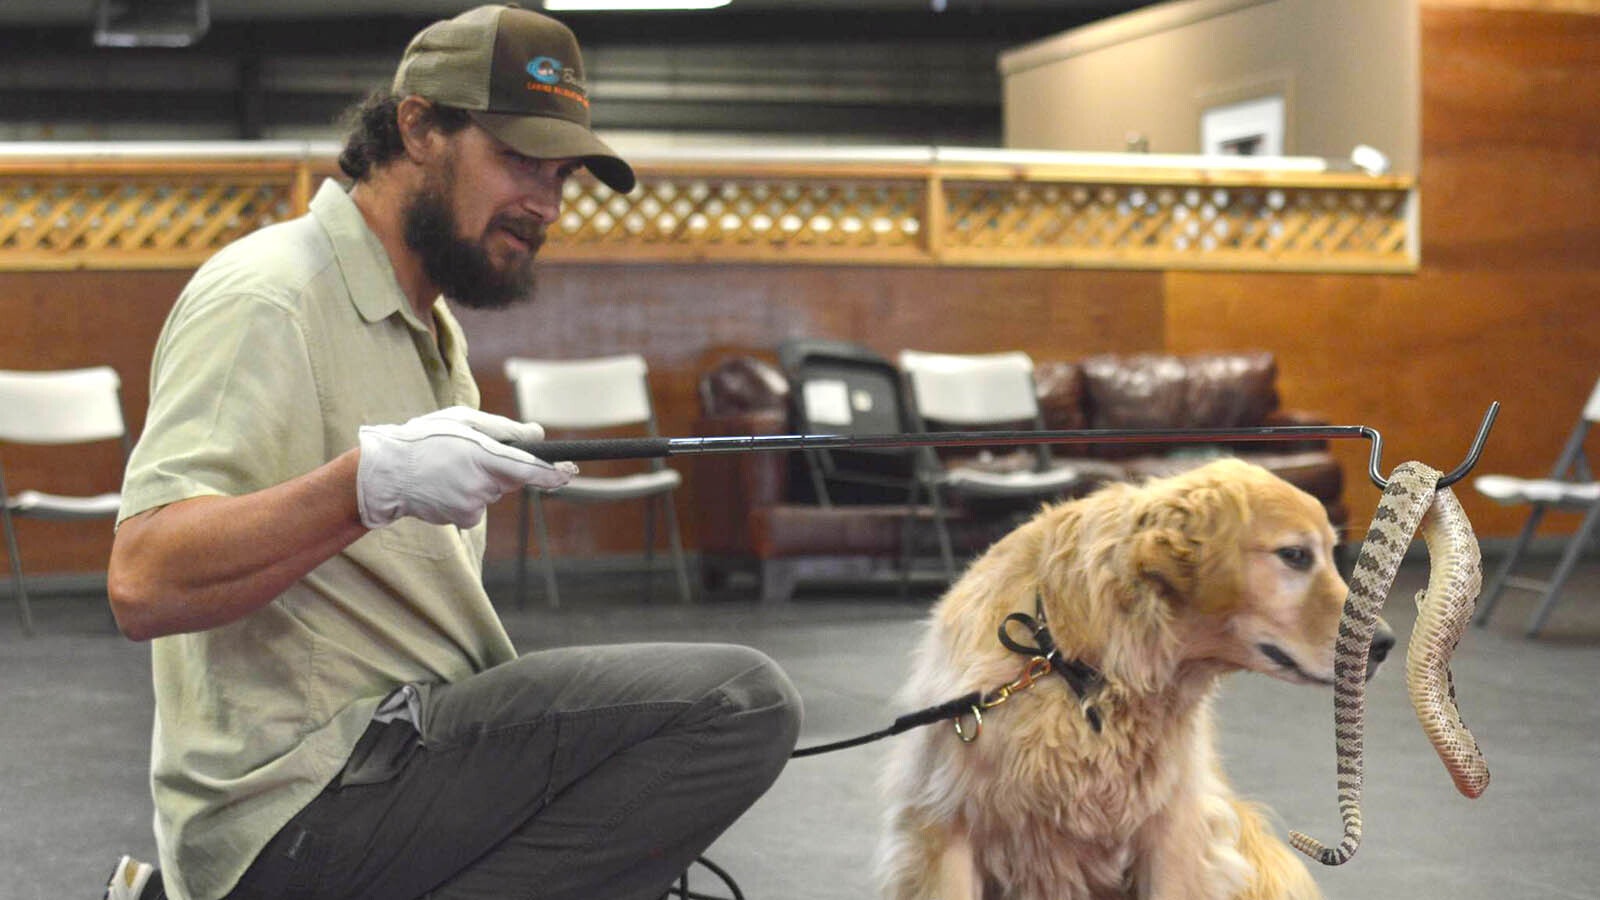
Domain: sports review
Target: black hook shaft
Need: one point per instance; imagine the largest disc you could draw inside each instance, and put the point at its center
(656, 447)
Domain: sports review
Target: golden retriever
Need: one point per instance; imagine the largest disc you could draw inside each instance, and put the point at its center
(1164, 588)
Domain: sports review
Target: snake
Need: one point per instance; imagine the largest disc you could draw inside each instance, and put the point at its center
(1411, 499)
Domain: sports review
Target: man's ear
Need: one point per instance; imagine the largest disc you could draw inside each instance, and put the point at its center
(414, 119)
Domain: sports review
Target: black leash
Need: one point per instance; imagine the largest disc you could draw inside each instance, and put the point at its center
(1083, 679)
(681, 890)
(950, 709)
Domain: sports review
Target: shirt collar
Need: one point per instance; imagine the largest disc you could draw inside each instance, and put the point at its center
(368, 273)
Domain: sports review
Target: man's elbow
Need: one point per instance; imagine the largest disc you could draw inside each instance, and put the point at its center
(131, 605)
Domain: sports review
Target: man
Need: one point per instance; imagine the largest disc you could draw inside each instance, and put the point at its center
(339, 712)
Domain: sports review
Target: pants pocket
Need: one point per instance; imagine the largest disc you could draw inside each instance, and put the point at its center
(384, 749)
(288, 868)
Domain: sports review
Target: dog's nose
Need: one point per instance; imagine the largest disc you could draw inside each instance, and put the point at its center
(1382, 642)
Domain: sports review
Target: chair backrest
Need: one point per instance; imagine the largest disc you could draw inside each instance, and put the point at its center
(971, 390)
(842, 388)
(1591, 410)
(600, 392)
(67, 406)
(839, 387)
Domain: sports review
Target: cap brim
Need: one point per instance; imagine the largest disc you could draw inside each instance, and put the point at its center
(547, 137)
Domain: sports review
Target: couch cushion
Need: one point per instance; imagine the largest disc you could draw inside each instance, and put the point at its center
(1230, 390)
(1148, 390)
(1059, 386)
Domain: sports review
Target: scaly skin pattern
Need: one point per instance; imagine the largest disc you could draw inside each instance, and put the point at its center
(1400, 510)
(1443, 611)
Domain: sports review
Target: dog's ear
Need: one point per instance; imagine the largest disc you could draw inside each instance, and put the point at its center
(1182, 539)
(1163, 550)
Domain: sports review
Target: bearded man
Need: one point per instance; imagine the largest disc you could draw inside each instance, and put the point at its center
(339, 711)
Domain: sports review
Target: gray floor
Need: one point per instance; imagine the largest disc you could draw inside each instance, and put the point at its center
(76, 714)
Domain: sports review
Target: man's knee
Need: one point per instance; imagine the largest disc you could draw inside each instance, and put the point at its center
(759, 704)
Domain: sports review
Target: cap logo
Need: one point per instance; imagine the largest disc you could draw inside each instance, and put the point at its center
(546, 70)
(551, 76)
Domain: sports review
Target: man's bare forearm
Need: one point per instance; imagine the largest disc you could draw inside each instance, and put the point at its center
(207, 561)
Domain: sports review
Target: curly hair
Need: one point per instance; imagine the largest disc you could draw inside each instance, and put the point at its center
(373, 131)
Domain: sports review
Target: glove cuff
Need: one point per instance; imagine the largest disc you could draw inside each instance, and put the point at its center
(376, 496)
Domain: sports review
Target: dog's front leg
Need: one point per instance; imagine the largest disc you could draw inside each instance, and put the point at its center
(959, 878)
(1189, 850)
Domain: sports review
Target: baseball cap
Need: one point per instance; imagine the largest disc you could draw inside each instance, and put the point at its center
(520, 76)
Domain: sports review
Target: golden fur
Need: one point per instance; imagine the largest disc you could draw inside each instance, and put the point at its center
(1164, 587)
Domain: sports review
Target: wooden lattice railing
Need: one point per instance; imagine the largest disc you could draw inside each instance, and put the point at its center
(107, 210)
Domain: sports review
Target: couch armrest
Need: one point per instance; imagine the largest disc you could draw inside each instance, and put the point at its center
(729, 486)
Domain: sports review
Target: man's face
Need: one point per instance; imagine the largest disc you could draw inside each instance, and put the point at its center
(479, 219)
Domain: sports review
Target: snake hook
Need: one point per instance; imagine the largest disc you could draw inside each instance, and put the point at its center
(1449, 478)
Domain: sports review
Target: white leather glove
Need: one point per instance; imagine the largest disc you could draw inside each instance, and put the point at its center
(447, 466)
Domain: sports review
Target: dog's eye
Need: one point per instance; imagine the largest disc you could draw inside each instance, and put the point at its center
(1298, 558)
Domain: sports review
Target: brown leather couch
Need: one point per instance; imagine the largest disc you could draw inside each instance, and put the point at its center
(758, 515)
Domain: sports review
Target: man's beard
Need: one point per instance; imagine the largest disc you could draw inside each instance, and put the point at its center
(462, 269)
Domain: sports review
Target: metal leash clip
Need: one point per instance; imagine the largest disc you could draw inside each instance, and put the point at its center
(1037, 667)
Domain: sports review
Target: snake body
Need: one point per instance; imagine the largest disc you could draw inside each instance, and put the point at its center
(1443, 611)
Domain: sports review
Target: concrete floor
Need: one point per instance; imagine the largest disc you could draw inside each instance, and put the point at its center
(76, 705)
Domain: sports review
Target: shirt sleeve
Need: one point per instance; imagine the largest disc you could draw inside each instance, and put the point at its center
(234, 405)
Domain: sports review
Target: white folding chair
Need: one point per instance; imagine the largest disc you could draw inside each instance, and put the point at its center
(976, 391)
(1570, 486)
(75, 406)
(602, 393)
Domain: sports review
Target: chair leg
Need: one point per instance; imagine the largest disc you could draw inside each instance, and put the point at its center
(523, 503)
(675, 538)
(650, 548)
(17, 587)
(552, 595)
(942, 529)
(1569, 558)
(1507, 566)
(907, 540)
(778, 579)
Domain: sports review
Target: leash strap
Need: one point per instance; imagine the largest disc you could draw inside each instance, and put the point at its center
(1084, 680)
(950, 709)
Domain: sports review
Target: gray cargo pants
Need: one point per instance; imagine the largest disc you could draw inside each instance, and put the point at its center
(587, 772)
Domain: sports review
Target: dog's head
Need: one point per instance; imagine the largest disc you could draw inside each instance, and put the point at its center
(1245, 561)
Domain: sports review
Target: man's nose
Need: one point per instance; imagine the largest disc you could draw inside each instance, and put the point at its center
(544, 202)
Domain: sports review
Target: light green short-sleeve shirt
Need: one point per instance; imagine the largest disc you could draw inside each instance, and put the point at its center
(280, 348)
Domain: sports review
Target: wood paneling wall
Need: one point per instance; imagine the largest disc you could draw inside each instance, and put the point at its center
(1506, 305)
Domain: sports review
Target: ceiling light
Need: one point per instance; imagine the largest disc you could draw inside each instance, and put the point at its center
(621, 5)
(150, 23)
